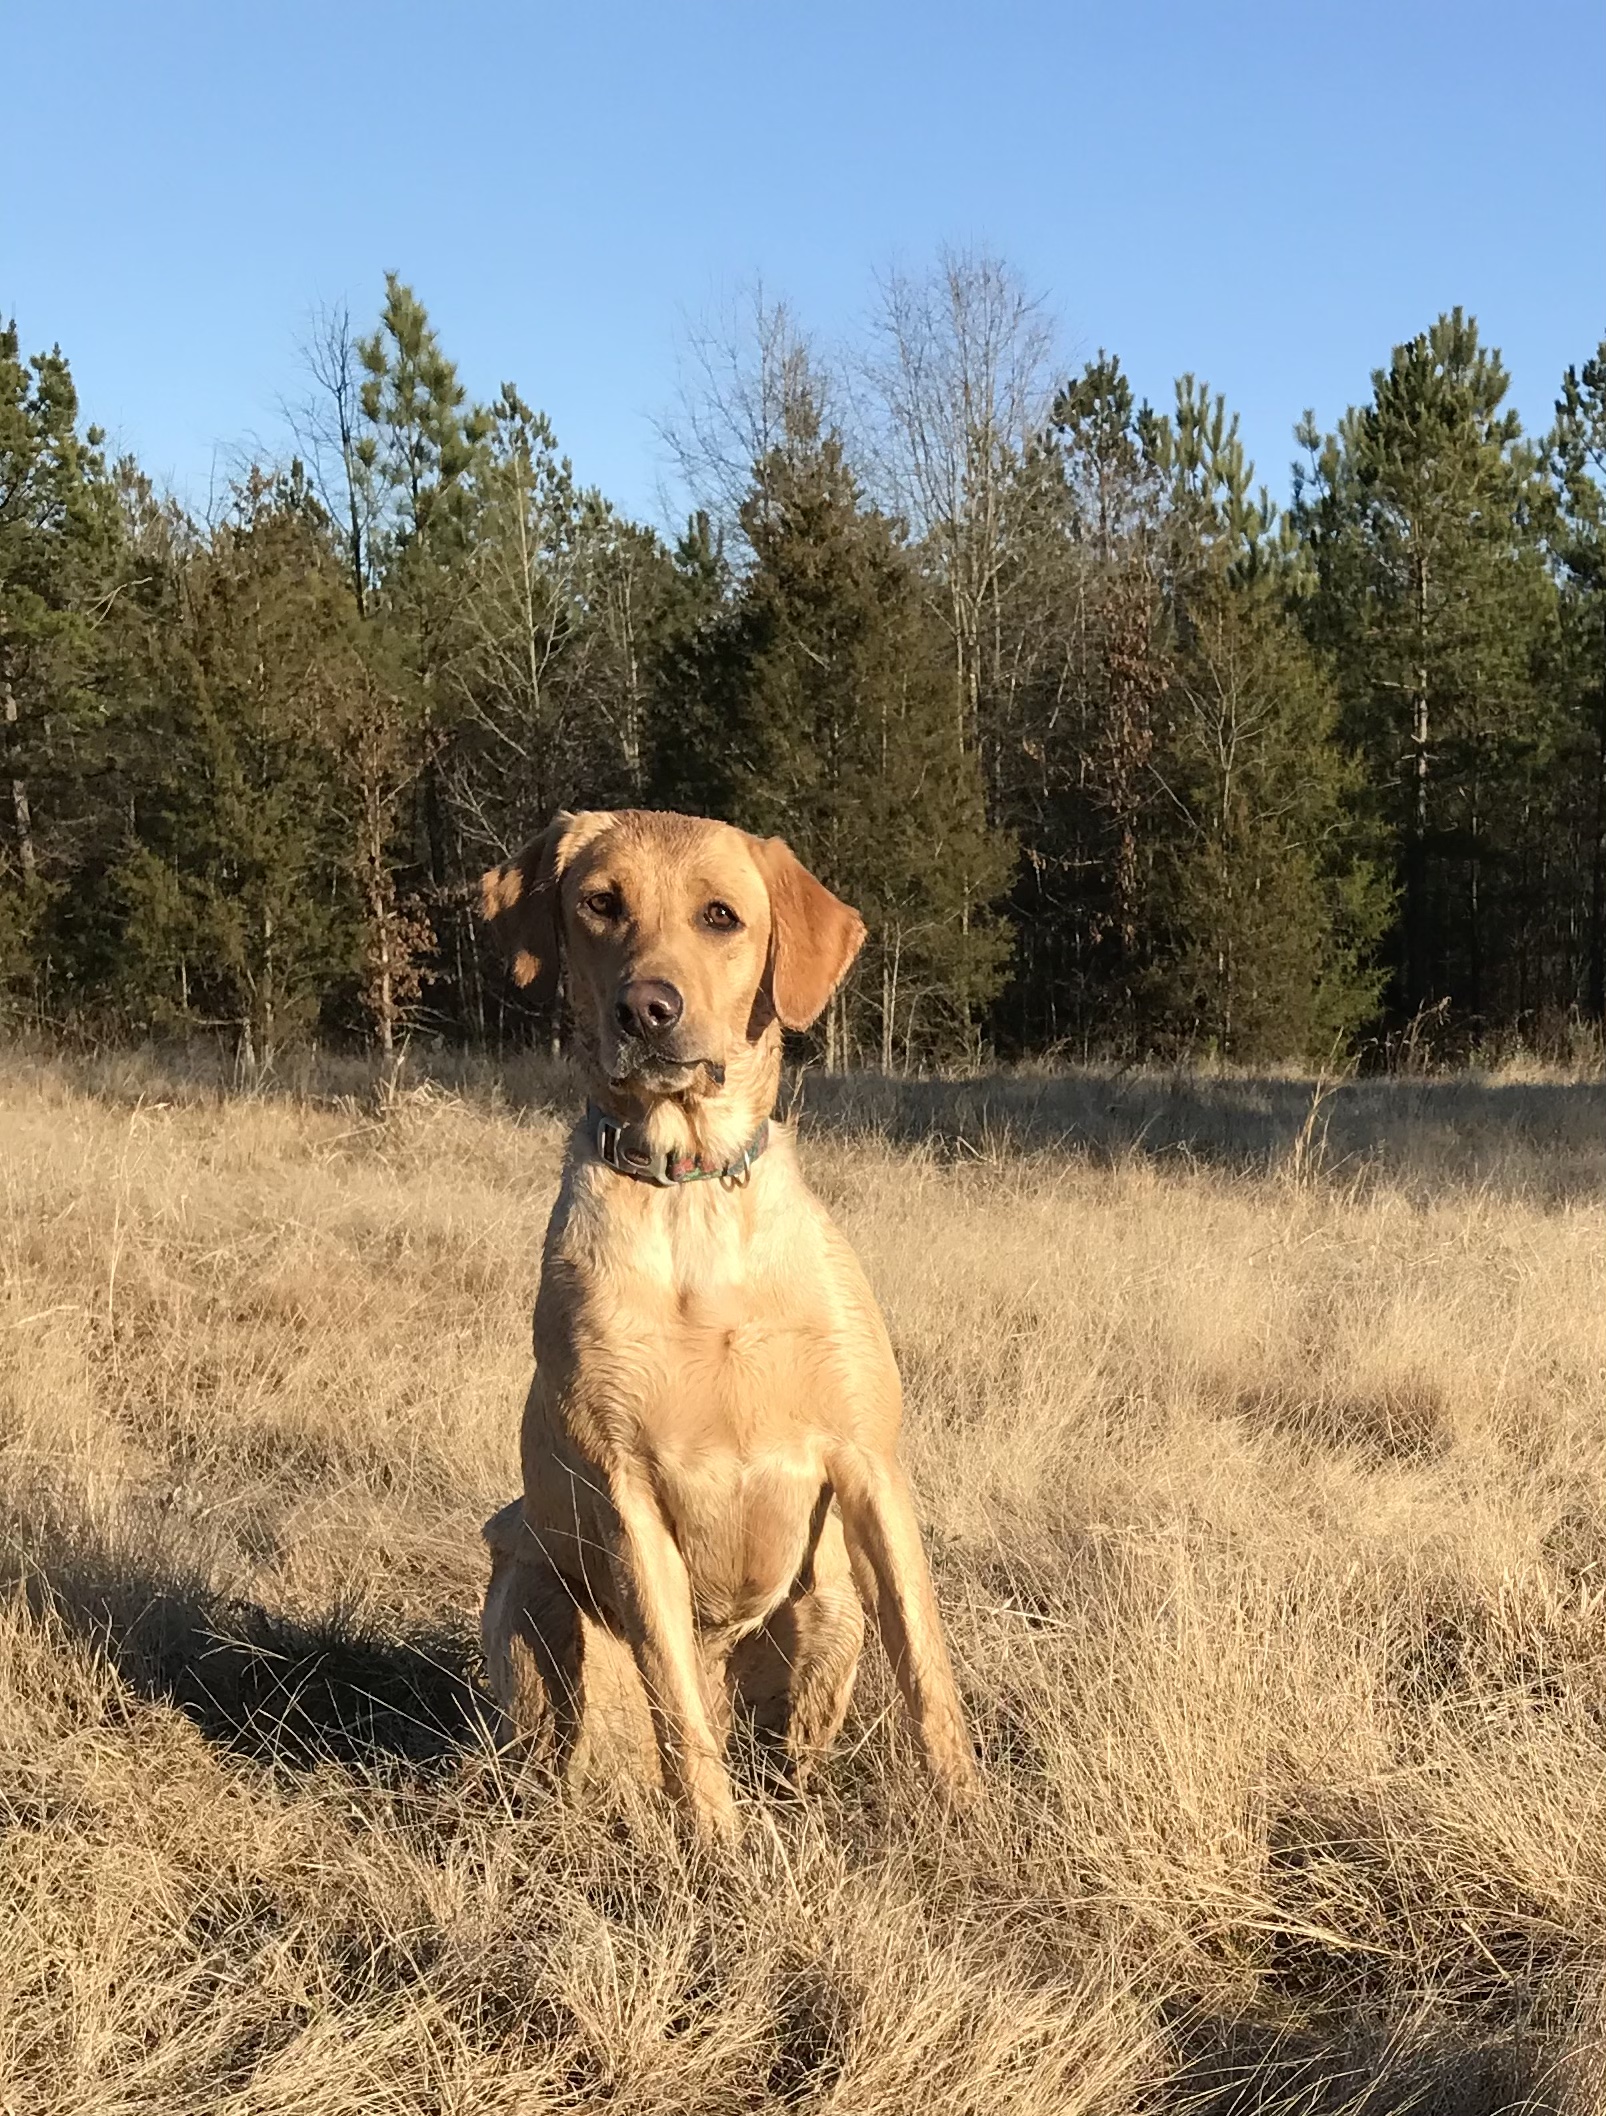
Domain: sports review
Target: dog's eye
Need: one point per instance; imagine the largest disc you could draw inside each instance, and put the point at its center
(721, 917)
(602, 903)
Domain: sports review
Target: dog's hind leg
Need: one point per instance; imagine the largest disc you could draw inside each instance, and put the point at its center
(531, 1629)
(793, 1679)
(619, 1746)
(567, 1685)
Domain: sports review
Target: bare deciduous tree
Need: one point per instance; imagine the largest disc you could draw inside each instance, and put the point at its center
(955, 383)
(522, 605)
(377, 742)
(751, 384)
(327, 426)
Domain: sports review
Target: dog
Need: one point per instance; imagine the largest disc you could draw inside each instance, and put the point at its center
(712, 1497)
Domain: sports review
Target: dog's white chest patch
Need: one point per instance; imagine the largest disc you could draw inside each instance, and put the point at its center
(743, 1527)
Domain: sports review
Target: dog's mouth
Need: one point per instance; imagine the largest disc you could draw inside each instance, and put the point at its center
(637, 1065)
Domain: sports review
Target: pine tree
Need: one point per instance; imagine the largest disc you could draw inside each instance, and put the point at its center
(419, 441)
(1192, 850)
(1076, 778)
(420, 449)
(1199, 456)
(1421, 519)
(1266, 908)
(1274, 907)
(1577, 453)
(58, 535)
(839, 731)
(226, 892)
(694, 679)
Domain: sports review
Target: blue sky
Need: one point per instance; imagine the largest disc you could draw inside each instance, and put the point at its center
(1269, 195)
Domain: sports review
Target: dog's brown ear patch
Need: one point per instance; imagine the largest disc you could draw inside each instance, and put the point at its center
(814, 936)
(519, 900)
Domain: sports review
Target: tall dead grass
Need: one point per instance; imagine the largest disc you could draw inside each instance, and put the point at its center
(1265, 1490)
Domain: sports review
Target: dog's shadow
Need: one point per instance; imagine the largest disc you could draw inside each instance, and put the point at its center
(1407, 2064)
(294, 1692)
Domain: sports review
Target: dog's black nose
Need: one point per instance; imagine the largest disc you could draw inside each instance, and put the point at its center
(649, 1007)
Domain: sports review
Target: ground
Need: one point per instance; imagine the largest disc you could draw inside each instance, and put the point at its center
(1259, 1435)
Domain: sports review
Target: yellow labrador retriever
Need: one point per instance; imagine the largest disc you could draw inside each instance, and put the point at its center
(712, 1372)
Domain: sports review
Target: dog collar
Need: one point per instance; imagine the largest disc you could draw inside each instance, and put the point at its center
(624, 1149)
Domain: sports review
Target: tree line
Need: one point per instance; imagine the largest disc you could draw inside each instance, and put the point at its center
(1116, 757)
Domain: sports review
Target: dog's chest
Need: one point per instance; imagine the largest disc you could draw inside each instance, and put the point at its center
(717, 1337)
(744, 1525)
(721, 1350)
(732, 1386)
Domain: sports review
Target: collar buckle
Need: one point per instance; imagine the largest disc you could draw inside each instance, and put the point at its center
(615, 1154)
(606, 1135)
(736, 1175)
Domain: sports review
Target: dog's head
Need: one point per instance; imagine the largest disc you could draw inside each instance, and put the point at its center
(686, 941)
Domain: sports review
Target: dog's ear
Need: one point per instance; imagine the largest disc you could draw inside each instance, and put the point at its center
(519, 900)
(814, 936)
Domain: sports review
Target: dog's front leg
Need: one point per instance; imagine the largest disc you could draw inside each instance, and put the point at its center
(883, 1534)
(655, 1602)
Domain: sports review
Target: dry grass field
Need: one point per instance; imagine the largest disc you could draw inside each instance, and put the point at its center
(1263, 1456)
